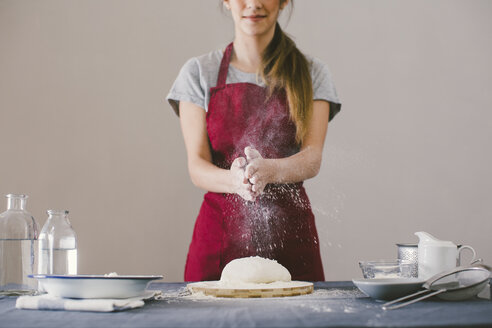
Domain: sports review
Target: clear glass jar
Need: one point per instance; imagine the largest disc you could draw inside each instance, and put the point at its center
(18, 238)
(57, 245)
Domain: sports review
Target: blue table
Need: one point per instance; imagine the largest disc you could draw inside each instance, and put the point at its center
(333, 304)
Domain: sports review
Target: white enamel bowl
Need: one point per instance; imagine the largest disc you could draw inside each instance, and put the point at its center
(94, 286)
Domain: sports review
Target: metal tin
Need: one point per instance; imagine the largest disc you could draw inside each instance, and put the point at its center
(410, 252)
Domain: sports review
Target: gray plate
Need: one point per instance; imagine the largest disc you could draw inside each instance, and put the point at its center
(389, 288)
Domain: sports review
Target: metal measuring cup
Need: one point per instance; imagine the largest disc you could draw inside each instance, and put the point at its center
(410, 252)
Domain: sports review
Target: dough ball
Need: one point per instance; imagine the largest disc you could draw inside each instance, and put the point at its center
(254, 269)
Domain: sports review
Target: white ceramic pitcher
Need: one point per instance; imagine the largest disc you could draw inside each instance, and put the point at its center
(436, 256)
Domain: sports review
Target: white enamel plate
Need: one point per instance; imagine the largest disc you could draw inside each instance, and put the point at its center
(94, 286)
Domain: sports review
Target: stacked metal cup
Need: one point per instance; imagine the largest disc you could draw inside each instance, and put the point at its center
(410, 253)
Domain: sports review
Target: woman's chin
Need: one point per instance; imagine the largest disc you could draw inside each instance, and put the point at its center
(250, 30)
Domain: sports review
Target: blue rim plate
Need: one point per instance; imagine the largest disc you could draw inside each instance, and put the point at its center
(94, 286)
(93, 276)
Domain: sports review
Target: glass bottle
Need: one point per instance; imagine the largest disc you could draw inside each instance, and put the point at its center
(57, 245)
(18, 237)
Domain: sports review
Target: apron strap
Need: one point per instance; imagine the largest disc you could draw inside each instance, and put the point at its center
(224, 66)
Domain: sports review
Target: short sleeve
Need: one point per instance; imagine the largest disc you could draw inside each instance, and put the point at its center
(187, 86)
(324, 87)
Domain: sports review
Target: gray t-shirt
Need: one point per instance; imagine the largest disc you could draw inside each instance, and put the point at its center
(199, 74)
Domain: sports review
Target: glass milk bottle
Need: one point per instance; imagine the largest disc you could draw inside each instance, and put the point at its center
(57, 245)
(18, 237)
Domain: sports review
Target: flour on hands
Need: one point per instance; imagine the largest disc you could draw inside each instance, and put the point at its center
(257, 171)
(242, 187)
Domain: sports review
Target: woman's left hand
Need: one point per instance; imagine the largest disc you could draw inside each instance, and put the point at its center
(296, 168)
(259, 170)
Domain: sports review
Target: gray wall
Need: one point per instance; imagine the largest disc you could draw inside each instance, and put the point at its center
(84, 125)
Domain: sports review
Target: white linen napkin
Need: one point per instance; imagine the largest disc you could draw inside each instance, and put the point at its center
(49, 302)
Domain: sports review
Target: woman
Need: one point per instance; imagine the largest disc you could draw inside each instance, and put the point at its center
(251, 140)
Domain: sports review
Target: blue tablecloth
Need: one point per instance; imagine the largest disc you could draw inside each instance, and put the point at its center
(333, 304)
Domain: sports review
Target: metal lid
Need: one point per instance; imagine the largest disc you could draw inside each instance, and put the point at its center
(407, 245)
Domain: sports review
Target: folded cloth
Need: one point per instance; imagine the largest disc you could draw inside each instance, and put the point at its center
(49, 302)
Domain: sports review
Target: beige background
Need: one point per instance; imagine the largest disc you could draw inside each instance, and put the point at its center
(84, 125)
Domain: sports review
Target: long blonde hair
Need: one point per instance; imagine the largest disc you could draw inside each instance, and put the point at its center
(285, 67)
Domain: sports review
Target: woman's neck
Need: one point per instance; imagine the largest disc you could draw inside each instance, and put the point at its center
(248, 51)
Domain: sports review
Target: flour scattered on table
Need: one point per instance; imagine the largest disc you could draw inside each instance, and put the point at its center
(184, 295)
(336, 293)
(318, 307)
(349, 309)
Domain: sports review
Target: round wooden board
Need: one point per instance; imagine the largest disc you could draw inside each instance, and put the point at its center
(214, 288)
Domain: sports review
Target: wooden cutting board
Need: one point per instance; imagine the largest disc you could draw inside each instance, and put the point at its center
(214, 288)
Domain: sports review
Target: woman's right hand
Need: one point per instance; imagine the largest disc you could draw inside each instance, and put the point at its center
(242, 187)
(203, 172)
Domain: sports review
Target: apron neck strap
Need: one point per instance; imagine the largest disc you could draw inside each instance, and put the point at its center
(224, 66)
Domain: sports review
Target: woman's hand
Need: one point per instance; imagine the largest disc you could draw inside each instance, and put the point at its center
(242, 187)
(259, 170)
(298, 167)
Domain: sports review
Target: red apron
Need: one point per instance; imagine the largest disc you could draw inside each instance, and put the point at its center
(279, 224)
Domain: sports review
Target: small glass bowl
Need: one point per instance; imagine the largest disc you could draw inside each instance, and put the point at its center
(386, 269)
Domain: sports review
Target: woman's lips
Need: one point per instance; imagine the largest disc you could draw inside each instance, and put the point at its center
(254, 18)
